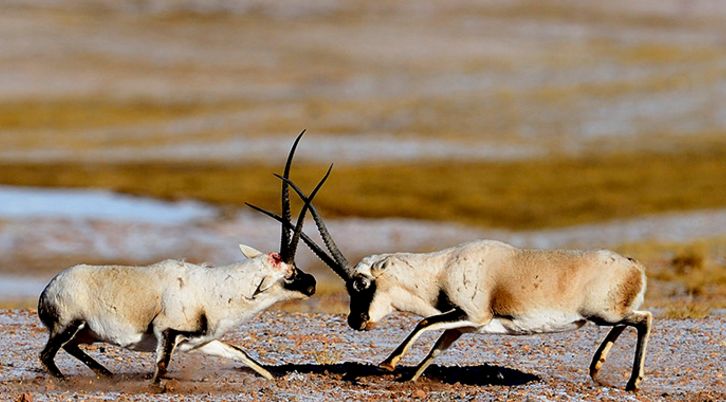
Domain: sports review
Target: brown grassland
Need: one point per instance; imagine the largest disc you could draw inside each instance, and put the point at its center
(685, 280)
(518, 195)
(77, 113)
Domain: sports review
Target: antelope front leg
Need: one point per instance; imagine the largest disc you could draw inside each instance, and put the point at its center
(445, 340)
(221, 349)
(453, 319)
(164, 348)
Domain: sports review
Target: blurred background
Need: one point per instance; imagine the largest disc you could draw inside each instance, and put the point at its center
(134, 131)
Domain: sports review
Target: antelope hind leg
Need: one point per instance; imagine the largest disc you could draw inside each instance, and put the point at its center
(598, 359)
(55, 342)
(642, 321)
(73, 349)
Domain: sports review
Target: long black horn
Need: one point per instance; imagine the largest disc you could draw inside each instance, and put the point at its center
(324, 233)
(301, 218)
(286, 213)
(328, 260)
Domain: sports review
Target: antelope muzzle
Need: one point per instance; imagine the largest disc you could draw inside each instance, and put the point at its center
(301, 282)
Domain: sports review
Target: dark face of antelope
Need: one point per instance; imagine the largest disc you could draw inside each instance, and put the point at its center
(301, 282)
(361, 288)
(361, 291)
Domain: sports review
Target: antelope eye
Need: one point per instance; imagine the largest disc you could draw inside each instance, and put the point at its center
(361, 284)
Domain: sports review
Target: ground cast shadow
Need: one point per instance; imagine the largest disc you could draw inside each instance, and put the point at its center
(467, 375)
(352, 372)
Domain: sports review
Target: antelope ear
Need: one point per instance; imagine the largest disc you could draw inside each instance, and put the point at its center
(379, 267)
(248, 251)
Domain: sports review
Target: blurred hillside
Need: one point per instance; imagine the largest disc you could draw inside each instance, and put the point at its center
(233, 80)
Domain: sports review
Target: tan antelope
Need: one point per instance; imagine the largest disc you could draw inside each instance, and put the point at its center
(171, 304)
(491, 287)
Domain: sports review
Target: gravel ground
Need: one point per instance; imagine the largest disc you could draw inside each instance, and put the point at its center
(317, 357)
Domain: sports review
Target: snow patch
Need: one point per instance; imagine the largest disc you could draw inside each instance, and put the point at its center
(216, 241)
(25, 202)
(18, 287)
(348, 148)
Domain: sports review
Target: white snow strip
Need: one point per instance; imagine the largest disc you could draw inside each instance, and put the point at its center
(25, 202)
(215, 241)
(347, 148)
(18, 287)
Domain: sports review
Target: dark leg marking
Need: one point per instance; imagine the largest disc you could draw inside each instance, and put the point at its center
(202, 328)
(444, 342)
(642, 321)
(427, 324)
(601, 354)
(168, 342)
(55, 342)
(443, 303)
(73, 349)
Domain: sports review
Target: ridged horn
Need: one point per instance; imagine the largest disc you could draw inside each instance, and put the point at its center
(342, 267)
(301, 217)
(285, 237)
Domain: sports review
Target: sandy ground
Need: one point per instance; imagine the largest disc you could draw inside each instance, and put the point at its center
(316, 357)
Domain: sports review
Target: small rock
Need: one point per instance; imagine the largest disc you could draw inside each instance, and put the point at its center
(419, 393)
(170, 386)
(25, 397)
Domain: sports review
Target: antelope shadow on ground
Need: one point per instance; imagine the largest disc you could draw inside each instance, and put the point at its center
(467, 375)
(352, 372)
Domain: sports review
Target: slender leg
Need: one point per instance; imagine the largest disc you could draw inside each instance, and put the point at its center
(73, 349)
(217, 348)
(164, 348)
(602, 352)
(445, 340)
(642, 320)
(452, 319)
(55, 342)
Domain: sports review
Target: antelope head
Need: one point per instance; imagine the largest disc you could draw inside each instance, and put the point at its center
(283, 262)
(369, 301)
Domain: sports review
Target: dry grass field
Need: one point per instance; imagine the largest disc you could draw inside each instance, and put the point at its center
(527, 194)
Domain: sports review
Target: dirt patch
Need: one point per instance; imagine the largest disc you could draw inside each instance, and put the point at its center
(317, 357)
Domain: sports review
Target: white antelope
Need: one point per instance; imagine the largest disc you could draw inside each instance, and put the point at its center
(491, 287)
(171, 304)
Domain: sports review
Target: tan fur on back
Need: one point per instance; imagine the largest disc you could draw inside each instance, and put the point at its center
(493, 279)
